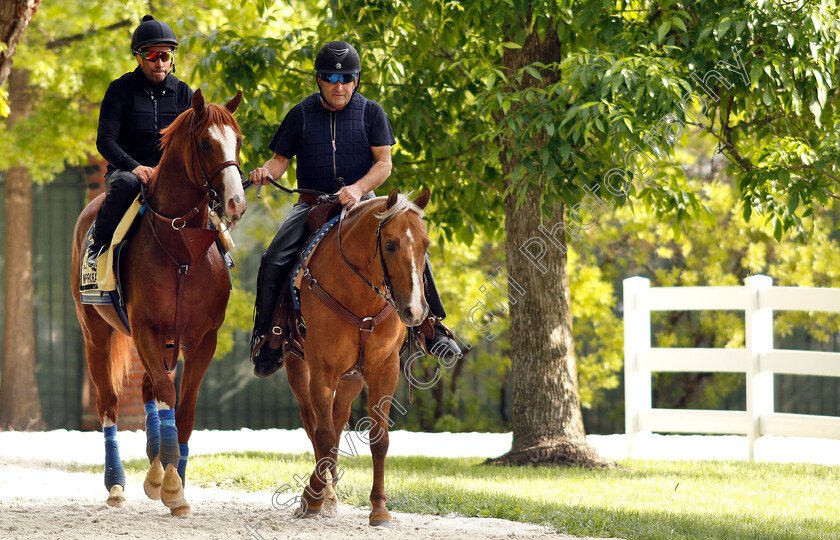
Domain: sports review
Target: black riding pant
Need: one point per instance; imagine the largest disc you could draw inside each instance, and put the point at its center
(281, 256)
(121, 188)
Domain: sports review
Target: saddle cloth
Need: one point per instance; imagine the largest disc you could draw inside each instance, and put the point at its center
(296, 281)
(96, 286)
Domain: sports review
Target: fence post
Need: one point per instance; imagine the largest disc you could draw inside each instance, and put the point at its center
(637, 383)
(759, 339)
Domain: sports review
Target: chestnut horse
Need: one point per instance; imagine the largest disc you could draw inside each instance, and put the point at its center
(175, 288)
(385, 241)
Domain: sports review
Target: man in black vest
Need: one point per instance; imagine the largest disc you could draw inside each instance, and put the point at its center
(135, 108)
(335, 133)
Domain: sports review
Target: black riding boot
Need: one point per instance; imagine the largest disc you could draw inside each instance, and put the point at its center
(277, 262)
(121, 188)
(441, 344)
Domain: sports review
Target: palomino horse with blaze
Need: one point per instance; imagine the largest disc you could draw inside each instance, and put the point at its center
(354, 326)
(175, 288)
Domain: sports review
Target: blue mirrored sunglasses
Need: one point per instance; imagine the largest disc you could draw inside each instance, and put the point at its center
(333, 78)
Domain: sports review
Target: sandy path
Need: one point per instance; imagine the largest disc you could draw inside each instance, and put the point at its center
(40, 502)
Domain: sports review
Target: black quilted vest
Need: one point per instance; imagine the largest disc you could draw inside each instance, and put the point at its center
(153, 108)
(353, 158)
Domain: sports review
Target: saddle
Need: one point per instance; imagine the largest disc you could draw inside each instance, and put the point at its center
(287, 327)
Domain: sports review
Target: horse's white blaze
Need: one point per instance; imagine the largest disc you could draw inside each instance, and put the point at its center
(415, 304)
(107, 422)
(230, 175)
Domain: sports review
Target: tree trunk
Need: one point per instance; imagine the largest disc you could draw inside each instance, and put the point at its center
(547, 421)
(20, 406)
(14, 18)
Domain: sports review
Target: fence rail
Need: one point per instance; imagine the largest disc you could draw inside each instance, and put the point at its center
(758, 360)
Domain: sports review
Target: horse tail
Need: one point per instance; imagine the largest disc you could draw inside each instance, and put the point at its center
(122, 349)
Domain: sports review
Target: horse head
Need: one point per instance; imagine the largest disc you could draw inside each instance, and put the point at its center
(403, 245)
(206, 138)
(218, 139)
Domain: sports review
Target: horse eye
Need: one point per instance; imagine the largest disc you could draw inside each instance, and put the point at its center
(205, 145)
(390, 245)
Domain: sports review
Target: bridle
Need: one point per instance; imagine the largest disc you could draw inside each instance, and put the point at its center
(388, 295)
(210, 195)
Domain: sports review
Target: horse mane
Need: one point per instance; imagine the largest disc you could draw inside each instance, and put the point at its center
(403, 205)
(210, 115)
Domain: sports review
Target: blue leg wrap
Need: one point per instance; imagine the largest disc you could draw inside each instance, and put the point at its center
(169, 451)
(182, 463)
(114, 472)
(152, 431)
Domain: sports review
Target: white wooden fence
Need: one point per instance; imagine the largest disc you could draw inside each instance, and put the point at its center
(759, 361)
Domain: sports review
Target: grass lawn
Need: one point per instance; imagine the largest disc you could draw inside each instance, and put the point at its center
(648, 500)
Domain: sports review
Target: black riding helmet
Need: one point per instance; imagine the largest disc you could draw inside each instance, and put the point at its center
(152, 32)
(338, 57)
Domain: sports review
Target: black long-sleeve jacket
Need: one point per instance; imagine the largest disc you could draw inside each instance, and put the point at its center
(132, 114)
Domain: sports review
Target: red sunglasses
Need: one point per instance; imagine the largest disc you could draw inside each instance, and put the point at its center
(154, 56)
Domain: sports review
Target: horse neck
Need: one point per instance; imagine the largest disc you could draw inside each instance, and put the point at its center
(174, 193)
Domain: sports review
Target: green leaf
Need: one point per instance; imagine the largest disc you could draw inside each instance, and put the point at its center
(664, 28)
(511, 45)
(724, 26)
(533, 73)
(767, 97)
(793, 203)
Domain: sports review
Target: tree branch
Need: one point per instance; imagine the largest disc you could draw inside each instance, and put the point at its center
(61, 42)
(474, 176)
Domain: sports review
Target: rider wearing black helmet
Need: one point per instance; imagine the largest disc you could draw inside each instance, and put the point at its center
(334, 133)
(135, 108)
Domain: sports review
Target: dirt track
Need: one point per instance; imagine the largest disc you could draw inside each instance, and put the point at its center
(38, 502)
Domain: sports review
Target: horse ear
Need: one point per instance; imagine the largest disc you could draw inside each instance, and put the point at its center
(423, 199)
(198, 102)
(392, 198)
(234, 102)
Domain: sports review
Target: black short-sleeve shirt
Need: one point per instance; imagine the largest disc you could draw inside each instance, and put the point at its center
(307, 132)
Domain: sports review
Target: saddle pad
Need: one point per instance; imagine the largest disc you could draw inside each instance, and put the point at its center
(106, 279)
(101, 287)
(297, 274)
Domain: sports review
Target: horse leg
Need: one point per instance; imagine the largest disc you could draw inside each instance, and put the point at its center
(104, 365)
(151, 349)
(382, 386)
(321, 391)
(297, 371)
(154, 476)
(196, 362)
(344, 396)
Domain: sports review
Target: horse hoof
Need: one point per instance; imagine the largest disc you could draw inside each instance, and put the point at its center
(183, 511)
(304, 511)
(154, 477)
(380, 518)
(116, 498)
(172, 489)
